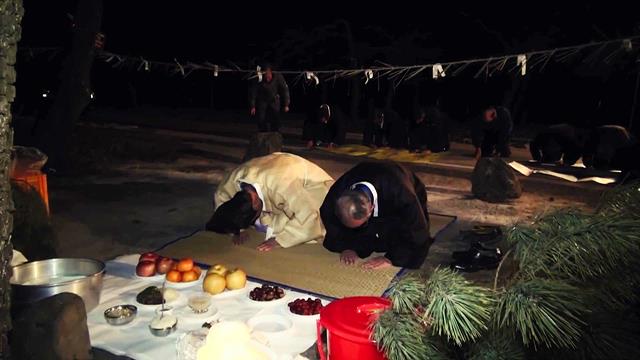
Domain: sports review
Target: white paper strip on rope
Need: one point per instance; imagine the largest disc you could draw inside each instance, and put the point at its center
(368, 74)
(215, 70)
(522, 62)
(437, 71)
(259, 73)
(310, 75)
(387, 70)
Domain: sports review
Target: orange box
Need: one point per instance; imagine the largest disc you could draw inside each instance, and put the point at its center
(39, 182)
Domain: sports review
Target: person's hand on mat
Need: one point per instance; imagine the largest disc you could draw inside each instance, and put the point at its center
(379, 262)
(252, 111)
(348, 257)
(286, 108)
(240, 238)
(268, 245)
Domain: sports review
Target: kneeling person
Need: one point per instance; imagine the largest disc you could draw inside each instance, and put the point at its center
(279, 194)
(378, 207)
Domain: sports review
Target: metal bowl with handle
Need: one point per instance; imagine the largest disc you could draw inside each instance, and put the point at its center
(37, 280)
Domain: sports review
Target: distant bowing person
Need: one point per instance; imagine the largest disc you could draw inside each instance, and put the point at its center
(378, 207)
(279, 194)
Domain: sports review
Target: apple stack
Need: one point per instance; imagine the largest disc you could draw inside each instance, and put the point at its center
(150, 264)
(220, 278)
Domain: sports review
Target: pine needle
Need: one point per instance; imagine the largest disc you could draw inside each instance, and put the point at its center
(543, 312)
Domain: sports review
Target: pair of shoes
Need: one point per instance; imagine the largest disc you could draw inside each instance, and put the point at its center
(477, 257)
(475, 248)
(482, 234)
(478, 262)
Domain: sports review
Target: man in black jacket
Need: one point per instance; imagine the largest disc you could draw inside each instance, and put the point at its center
(378, 207)
(561, 143)
(491, 132)
(265, 98)
(385, 127)
(429, 131)
(325, 127)
(602, 145)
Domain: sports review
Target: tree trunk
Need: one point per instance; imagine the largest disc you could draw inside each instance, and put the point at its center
(10, 18)
(356, 83)
(74, 91)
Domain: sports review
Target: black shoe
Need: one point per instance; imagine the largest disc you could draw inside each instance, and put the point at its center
(476, 248)
(478, 262)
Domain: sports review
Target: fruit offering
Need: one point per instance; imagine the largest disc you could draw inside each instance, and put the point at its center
(150, 264)
(266, 293)
(220, 278)
(184, 271)
(305, 307)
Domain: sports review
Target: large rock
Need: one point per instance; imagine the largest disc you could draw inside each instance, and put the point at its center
(52, 328)
(494, 181)
(263, 143)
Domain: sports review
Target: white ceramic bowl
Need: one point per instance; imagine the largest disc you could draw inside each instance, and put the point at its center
(269, 325)
(184, 285)
(157, 277)
(186, 313)
(312, 318)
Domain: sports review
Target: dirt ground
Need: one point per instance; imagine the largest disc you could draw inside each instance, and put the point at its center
(151, 180)
(138, 203)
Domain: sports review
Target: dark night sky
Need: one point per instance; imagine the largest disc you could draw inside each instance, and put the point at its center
(241, 32)
(199, 30)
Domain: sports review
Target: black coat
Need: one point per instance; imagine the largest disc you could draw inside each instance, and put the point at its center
(431, 133)
(493, 136)
(273, 94)
(603, 143)
(333, 131)
(401, 229)
(556, 142)
(393, 132)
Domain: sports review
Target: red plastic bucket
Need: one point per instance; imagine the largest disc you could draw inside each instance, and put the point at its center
(348, 323)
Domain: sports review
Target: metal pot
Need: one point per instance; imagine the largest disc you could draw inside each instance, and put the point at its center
(37, 280)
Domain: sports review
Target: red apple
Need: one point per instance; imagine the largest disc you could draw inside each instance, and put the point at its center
(146, 268)
(163, 265)
(151, 256)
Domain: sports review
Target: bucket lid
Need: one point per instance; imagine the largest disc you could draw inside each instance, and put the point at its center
(351, 317)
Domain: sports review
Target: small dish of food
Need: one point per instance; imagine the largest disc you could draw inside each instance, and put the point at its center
(267, 295)
(120, 314)
(152, 296)
(163, 325)
(305, 308)
(199, 303)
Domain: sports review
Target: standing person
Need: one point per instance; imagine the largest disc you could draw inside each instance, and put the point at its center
(491, 132)
(325, 128)
(378, 207)
(266, 98)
